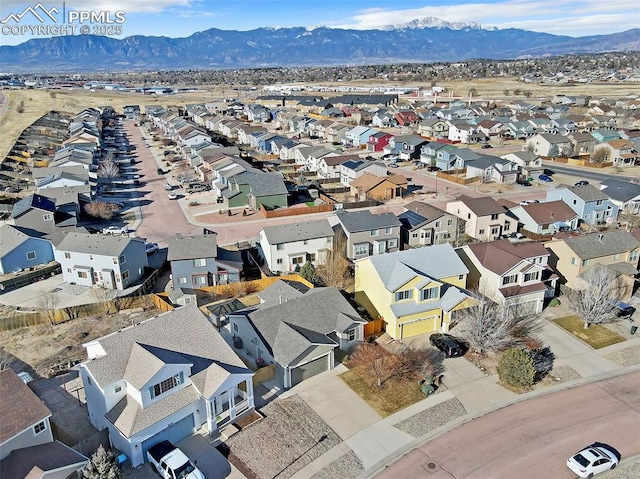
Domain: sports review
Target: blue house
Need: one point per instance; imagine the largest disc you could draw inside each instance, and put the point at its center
(603, 135)
(19, 251)
(592, 205)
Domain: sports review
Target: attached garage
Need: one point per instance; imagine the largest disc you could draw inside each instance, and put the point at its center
(174, 433)
(310, 369)
(419, 326)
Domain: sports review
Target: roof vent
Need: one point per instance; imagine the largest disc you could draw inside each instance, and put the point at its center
(600, 237)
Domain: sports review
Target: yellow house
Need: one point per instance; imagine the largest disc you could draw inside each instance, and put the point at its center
(414, 291)
(616, 249)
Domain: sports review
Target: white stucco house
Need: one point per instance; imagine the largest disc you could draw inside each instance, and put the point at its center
(164, 378)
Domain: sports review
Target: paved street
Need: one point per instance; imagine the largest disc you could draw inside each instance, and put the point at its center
(532, 438)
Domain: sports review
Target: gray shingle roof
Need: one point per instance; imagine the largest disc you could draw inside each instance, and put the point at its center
(33, 201)
(306, 230)
(586, 193)
(21, 408)
(355, 221)
(612, 242)
(10, 239)
(192, 247)
(97, 244)
(278, 292)
(263, 184)
(33, 461)
(438, 261)
(617, 189)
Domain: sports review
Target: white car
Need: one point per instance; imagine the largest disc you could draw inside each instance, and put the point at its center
(594, 459)
(172, 195)
(151, 247)
(115, 230)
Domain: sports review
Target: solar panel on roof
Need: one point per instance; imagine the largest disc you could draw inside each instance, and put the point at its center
(412, 217)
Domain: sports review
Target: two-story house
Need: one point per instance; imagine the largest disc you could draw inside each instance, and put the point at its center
(485, 218)
(330, 167)
(352, 169)
(617, 249)
(546, 218)
(19, 250)
(378, 140)
(27, 447)
(549, 144)
(414, 291)
(424, 225)
(433, 128)
(530, 164)
(164, 378)
(624, 194)
(590, 204)
(368, 234)
(289, 246)
(510, 274)
(35, 212)
(194, 262)
(111, 262)
(299, 333)
(492, 168)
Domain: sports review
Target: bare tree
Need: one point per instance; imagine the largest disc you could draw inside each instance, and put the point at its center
(49, 302)
(593, 299)
(375, 358)
(335, 270)
(491, 327)
(108, 170)
(101, 209)
(600, 155)
(6, 358)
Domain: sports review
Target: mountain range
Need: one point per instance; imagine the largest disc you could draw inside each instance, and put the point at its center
(419, 41)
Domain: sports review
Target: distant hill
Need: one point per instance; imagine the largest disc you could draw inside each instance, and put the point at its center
(423, 40)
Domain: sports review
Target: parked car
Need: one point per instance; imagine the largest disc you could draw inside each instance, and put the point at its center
(172, 195)
(393, 165)
(581, 183)
(197, 188)
(546, 178)
(160, 171)
(450, 346)
(624, 310)
(151, 248)
(486, 145)
(168, 186)
(594, 459)
(528, 202)
(171, 463)
(523, 182)
(115, 230)
(433, 168)
(548, 172)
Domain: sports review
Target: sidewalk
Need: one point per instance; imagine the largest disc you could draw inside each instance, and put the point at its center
(470, 393)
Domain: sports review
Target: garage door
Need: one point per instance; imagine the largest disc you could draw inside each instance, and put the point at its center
(178, 430)
(309, 370)
(421, 326)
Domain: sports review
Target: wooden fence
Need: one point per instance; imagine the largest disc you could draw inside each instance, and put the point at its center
(279, 213)
(248, 287)
(161, 301)
(374, 326)
(452, 175)
(263, 374)
(579, 162)
(535, 236)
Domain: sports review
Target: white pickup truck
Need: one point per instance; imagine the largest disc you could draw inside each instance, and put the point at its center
(172, 463)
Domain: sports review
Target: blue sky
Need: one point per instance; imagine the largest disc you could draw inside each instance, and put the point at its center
(180, 18)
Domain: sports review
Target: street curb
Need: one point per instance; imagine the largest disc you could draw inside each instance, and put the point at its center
(400, 453)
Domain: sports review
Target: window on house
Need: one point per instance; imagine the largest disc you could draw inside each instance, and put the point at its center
(67, 255)
(38, 428)
(468, 216)
(633, 256)
(118, 389)
(574, 260)
(506, 227)
(449, 222)
(437, 224)
(297, 260)
(114, 260)
(616, 256)
(83, 274)
(494, 216)
(352, 334)
(495, 230)
(393, 243)
(585, 262)
(481, 232)
(414, 235)
(509, 279)
(47, 217)
(305, 242)
(199, 262)
(461, 277)
(182, 280)
(200, 280)
(279, 261)
(69, 270)
(166, 385)
(429, 293)
(125, 275)
(122, 259)
(31, 255)
(311, 257)
(374, 232)
(388, 231)
(280, 247)
(531, 276)
(236, 328)
(361, 249)
(406, 294)
(599, 202)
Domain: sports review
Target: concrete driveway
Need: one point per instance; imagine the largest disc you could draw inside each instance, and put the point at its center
(207, 458)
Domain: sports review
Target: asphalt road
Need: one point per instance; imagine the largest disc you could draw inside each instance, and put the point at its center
(533, 438)
(590, 173)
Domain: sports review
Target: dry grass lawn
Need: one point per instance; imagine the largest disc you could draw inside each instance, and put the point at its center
(396, 393)
(597, 336)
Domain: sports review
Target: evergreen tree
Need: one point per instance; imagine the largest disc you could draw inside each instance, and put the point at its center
(102, 465)
(308, 272)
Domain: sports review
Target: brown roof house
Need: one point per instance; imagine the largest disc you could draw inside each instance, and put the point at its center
(27, 447)
(486, 219)
(617, 249)
(510, 274)
(426, 225)
(370, 186)
(545, 218)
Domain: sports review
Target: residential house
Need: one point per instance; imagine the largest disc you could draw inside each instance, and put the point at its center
(406, 118)
(529, 163)
(491, 168)
(590, 204)
(358, 136)
(424, 225)
(194, 262)
(62, 179)
(616, 249)
(330, 167)
(582, 143)
(111, 262)
(485, 218)
(465, 133)
(546, 218)
(164, 378)
(624, 194)
(511, 274)
(299, 333)
(433, 128)
(352, 169)
(438, 154)
(378, 141)
(287, 247)
(491, 128)
(384, 118)
(605, 135)
(368, 234)
(621, 153)
(415, 291)
(368, 186)
(19, 250)
(550, 145)
(27, 447)
(407, 147)
(35, 212)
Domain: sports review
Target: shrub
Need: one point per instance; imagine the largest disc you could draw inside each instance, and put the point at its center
(516, 369)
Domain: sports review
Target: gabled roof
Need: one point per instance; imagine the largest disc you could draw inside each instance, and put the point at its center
(549, 212)
(98, 244)
(502, 255)
(597, 245)
(364, 220)
(585, 192)
(367, 181)
(436, 262)
(10, 238)
(34, 461)
(21, 408)
(279, 292)
(616, 189)
(426, 210)
(192, 247)
(34, 201)
(482, 206)
(291, 232)
(411, 219)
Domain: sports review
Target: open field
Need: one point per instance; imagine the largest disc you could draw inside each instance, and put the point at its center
(38, 102)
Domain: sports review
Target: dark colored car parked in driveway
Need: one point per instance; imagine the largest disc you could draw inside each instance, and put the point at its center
(448, 345)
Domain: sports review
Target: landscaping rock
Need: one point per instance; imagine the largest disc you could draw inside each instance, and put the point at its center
(436, 416)
(347, 467)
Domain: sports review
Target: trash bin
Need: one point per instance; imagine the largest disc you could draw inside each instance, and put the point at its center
(634, 329)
